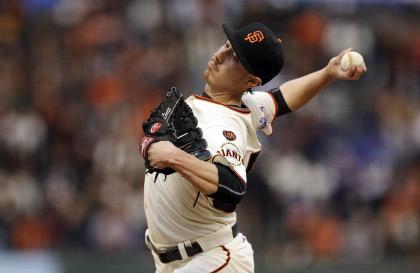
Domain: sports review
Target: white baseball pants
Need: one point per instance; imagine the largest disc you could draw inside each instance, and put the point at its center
(236, 256)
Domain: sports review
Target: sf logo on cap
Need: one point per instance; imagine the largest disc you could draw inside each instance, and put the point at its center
(256, 36)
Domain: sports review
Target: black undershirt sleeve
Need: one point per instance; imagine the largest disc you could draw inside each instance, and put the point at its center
(281, 103)
(230, 190)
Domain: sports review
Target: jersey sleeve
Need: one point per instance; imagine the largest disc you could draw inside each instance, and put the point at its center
(265, 107)
(226, 142)
(264, 110)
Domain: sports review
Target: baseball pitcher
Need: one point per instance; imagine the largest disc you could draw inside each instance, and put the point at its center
(198, 151)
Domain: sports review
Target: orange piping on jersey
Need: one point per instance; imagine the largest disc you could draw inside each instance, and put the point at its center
(244, 111)
(238, 175)
(226, 262)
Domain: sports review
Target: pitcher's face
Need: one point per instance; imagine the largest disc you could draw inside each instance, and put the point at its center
(225, 72)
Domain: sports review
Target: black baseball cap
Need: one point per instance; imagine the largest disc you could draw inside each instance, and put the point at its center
(259, 50)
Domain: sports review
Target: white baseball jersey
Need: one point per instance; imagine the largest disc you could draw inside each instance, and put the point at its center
(174, 209)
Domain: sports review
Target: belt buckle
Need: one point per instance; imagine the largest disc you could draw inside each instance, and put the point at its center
(158, 251)
(161, 250)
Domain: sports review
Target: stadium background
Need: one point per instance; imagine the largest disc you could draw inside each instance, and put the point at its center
(336, 188)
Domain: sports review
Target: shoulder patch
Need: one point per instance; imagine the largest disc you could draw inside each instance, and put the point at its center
(229, 135)
(263, 122)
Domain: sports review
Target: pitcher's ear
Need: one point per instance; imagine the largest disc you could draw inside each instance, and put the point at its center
(254, 81)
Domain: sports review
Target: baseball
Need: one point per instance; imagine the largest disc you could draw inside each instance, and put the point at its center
(351, 58)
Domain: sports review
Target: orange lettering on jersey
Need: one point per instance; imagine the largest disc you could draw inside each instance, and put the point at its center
(253, 37)
(231, 152)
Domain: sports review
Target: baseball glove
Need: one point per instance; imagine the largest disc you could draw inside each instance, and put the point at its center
(174, 121)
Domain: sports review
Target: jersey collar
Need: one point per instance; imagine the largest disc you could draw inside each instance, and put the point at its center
(242, 109)
(204, 94)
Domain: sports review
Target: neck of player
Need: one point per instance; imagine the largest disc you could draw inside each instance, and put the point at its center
(223, 96)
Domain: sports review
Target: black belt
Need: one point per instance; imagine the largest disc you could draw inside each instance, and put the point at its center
(174, 254)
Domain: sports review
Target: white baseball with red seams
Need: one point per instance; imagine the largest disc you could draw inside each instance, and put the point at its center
(351, 58)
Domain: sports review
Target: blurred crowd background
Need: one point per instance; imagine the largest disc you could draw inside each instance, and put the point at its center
(338, 179)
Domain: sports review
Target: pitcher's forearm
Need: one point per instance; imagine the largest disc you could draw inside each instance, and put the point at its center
(201, 174)
(299, 91)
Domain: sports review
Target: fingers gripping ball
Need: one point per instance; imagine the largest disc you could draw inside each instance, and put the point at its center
(351, 58)
(174, 121)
